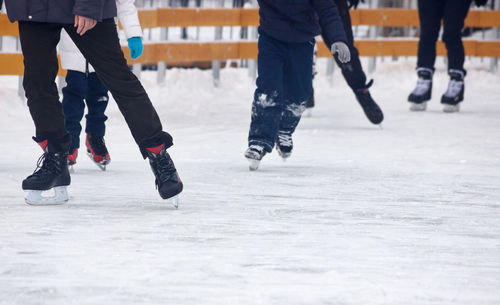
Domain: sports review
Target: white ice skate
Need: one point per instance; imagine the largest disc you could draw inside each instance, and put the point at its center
(36, 197)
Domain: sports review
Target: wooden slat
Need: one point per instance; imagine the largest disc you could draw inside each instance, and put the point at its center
(181, 17)
(6, 27)
(12, 64)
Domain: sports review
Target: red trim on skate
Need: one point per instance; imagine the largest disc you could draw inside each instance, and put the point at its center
(43, 144)
(155, 150)
(73, 156)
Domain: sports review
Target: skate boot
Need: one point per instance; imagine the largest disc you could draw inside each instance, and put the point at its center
(370, 108)
(455, 94)
(422, 93)
(167, 180)
(284, 144)
(254, 154)
(51, 174)
(97, 151)
(73, 154)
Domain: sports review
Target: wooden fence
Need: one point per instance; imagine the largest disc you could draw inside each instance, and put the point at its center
(175, 52)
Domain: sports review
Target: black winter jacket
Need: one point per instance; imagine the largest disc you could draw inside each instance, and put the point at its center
(59, 11)
(301, 20)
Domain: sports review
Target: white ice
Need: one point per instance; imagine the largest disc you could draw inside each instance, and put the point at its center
(407, 214)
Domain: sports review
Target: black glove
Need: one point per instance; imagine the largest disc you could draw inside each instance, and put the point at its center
(354, 3)
(480, 2)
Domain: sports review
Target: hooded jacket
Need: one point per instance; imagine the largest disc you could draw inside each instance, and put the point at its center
(301, 20)
(59, 11)
(72, 59)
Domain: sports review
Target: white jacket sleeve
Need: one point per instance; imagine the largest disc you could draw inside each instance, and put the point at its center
(127, 14)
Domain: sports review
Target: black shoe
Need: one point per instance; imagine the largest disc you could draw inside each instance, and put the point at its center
(423, 91)
(455, 92)
(52, 171)
(167, 180)
(284, 144)
(97, 150)
(370, 108)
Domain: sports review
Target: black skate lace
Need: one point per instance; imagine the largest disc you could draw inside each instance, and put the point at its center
(164, 166)
(46, 164)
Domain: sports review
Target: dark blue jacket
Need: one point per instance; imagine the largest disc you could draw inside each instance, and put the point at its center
(301, 20)
(59, 11)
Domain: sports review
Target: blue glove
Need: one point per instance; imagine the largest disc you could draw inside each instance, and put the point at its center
(135, 46)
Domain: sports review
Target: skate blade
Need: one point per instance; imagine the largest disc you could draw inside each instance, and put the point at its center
(101, 165)
(254, 164)
(418, 107)
(35, 197)
(380, 126)
(451, 108)
(175, 201)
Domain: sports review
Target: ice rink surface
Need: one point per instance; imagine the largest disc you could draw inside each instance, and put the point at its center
(407, 214)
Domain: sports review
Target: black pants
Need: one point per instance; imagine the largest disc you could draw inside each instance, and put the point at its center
(101, 47)
(352, 71)
(453, 13)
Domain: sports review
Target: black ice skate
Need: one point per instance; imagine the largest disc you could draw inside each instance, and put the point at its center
(455, 94)
(370, 108)
(167, 180)
(51, 174)
(97, 151)
(254, 155)
(284, 144)
(422, 93)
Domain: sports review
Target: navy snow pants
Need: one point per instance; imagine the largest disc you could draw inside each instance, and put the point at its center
(81, 89)
(453, 13)
(283, 86)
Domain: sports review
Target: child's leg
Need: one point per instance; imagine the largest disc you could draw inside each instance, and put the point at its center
(73, 104)
(297, 84)
(268, 97)
(97, 101)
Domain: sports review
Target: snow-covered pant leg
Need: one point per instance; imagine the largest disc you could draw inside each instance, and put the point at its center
(73, 104)
(430, 14)
(297, 83)
(38, 43)
(97, 101)
(101, 47)
(455, 12)
(352, 71)
(267, 104)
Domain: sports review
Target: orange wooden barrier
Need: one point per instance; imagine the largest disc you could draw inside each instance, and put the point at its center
(11, 64)
(183, 17)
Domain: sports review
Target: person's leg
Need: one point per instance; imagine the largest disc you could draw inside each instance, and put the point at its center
(97, 101)
(297, 84)
(267, 104)
(38, 43)
(352, 70)
(455, 12)
(430, 15)
(73, 104)
(102, 48)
